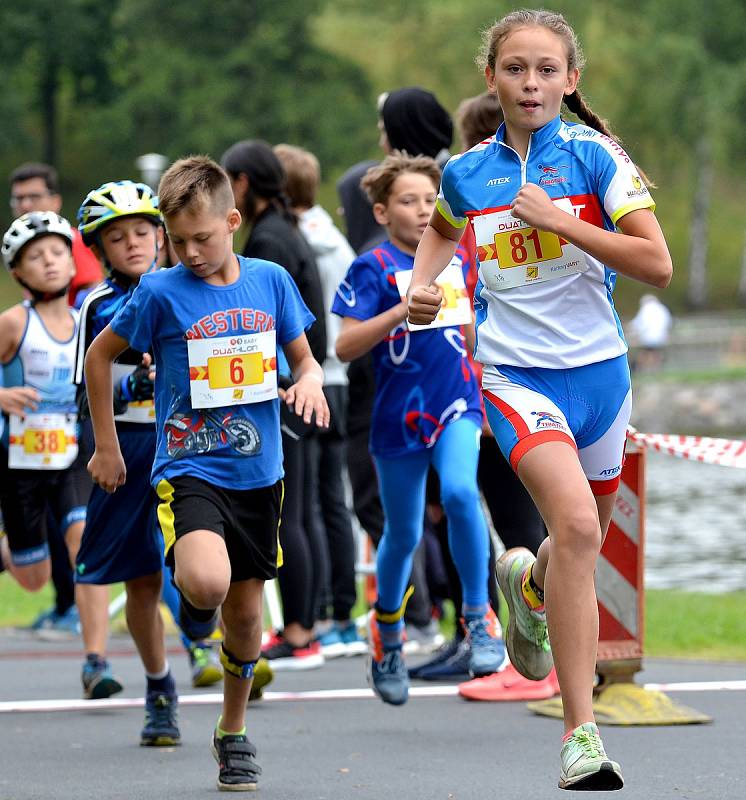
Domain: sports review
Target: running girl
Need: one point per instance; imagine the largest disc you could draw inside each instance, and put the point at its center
(545, 198)
(426, 411)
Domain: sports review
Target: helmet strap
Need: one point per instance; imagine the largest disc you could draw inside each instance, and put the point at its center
(37, 296)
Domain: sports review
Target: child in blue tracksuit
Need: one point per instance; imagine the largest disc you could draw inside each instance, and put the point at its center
(426, 412)
(213, 323)
(120, 221)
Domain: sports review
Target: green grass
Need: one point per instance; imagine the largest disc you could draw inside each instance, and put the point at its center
(677, 624)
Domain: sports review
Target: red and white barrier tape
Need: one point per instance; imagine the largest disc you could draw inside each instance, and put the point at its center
(725, 452)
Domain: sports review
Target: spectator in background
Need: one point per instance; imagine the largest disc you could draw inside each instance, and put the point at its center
(35, 187)
(649, 332)
(411, 120)
(327, 450)
(259, 184)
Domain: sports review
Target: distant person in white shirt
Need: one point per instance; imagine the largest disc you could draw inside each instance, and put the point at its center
(649, 332)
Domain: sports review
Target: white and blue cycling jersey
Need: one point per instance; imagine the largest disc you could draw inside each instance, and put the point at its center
(539, 301)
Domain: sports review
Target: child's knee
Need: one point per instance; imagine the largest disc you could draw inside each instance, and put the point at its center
(203, 591)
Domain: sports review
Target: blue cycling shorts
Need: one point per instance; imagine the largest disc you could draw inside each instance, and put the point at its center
(588, 407)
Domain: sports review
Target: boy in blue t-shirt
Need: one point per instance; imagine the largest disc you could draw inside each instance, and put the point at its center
(213, 324)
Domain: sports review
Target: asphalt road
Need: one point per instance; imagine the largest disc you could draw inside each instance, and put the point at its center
(434, 748)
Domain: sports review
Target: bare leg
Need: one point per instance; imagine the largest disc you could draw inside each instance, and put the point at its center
(73, 535)
(242, 617)
(93, 605)
(203, 569)
(572, 518)
(145, 622)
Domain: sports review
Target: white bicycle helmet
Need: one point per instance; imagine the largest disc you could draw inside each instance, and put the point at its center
(32, 226)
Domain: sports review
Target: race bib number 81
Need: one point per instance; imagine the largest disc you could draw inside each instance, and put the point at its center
(232, 370)
(512, 253)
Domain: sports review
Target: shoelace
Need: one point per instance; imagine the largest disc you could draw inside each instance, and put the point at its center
(391, 661)
(479, 634)
(590, 743)
(161, 713)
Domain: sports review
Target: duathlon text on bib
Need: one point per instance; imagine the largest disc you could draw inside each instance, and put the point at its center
(42, 441)
(233, 370)
(512, 253)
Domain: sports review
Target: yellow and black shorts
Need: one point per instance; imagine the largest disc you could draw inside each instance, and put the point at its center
(248, 520)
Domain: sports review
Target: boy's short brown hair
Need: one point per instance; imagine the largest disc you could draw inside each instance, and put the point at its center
(378, 181)
(478, 118)
(303, 173)
(192, 182)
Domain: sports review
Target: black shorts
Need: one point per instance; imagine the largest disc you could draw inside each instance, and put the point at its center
(26, 497)
(247, 519)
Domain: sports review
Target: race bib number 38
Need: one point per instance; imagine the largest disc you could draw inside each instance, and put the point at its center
(42, 441)
(232, 370)
(512, 253)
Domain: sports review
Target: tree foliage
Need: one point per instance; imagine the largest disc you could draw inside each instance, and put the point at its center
(93, 85)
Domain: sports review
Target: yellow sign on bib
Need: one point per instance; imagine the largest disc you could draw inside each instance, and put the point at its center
(526, 246)
(227, 372)
(44, 442)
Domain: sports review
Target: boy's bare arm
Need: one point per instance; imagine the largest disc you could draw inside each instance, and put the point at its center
(107, 465)
(306, 395)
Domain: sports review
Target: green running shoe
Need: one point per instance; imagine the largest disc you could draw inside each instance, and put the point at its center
(585, 765)
(263, 676)
(527, 639)
(205, 662)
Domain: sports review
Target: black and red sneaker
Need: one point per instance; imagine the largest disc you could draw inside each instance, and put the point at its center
(283, 656)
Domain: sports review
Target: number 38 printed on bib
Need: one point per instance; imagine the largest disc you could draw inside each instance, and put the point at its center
(512, 253)
(232, 370)
(42, 441)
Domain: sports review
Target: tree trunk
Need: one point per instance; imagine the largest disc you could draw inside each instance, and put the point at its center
(48, 101)
(742, 279)
(697, 290)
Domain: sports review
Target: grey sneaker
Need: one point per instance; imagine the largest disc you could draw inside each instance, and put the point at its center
(585, 765)
(527, 639)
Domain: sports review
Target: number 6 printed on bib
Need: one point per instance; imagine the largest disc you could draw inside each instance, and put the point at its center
(232, 370)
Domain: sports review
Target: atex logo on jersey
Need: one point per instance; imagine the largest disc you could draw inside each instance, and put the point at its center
(497, 181)
(546, 420)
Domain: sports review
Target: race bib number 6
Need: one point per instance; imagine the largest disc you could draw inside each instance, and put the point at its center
(232, 370)
(512, 253)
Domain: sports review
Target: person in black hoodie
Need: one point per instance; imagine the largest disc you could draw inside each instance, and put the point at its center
(411, 120)
(259, 181)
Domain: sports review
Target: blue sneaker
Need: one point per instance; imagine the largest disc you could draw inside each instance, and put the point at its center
(161, 728)
(331, 643)
(387, 674)
(351, 639)
(487, 647)
(50, 623)
(98, 682)
(452, 663)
